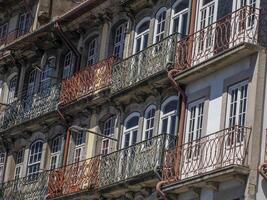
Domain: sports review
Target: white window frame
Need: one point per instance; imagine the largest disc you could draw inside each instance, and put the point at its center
(12, 89)
(68, 65)
(149, 119)
(79, 148)
(92, 48)
(38, 161)
(24, 23)
(31, 83)
(159, 24)
(179, 15)
(120, 32)
(141, 35)
(108, 130)
(45, 81)
(19, 164)
(2, 166)
(237, 4)
(131, 130)
(55, 154)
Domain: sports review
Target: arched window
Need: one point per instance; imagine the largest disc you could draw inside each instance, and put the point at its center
(45, 82)
(169, 113)
(56, 147)
(119, 40)
(131, 126)
(68, 65)
(19, 163)
(149, 122)
(12, 89)
(35, 157)
(31, 83)
(92, 51)
(141, 35)
(160, 25)
(179, 18)
(79, 151)
(108, 130)
(2, 166)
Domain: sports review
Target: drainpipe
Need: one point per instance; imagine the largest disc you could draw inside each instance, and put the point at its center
(69, 44)
(183, 96)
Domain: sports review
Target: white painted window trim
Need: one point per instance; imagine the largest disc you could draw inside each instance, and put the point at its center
(236, 4)
(149, 108)
(161, 11)
(121, 43)
(141, 35)
(176, 15)
(36, 162)
(68, 68)
(93, 57)
(56, 154)
(80, 147)
(11, 96)
(130, 130)
(113, 122)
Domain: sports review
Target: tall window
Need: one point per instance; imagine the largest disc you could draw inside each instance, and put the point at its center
(79, 152)
(241, 3)
(24, 23)
(160, 25)
(169, 112)
(119, 40)
(141, 35)
(108, 130)
(12, 89)
(46, 74)
(2, 166)
(131, 129)
(179, 17)
(35, 157)
(149, 123)
(194, 126)
(3, 32)
(237, 104)
(55, 152)
(31, 83)
(68, 65)
(92, 51)
(19, 164)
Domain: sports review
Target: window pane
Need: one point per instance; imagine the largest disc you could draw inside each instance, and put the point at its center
(171, 106)
(132, 122)
(143, 27)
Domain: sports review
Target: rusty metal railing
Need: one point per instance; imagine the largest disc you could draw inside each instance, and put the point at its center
(215, 151)
(87, 81)
(228, 32)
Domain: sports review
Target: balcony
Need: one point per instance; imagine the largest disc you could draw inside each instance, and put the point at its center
(74, 178)
(134, 161)
(27, 188)
(144, 64)
(87, 81)
(15, 34)
(215, 152)
(30, 107)
(227, 33)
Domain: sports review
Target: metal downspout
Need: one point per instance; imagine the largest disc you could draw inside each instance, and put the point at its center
(183, 96)
(69, 44)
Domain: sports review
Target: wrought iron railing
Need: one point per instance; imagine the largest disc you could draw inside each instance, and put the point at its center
(87, 81)
(77, 177)
(144, 64)
(29, 107)
(135, 160)
(27, 188)
(215, 151)
(228, 32)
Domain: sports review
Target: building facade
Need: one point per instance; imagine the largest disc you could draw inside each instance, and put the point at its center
(133, 99)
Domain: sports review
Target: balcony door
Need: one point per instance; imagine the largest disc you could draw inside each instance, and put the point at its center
(28, 98)
(68, 65)
(24, 24)
(192, 149)
(130, 136)
(35, 158)
(12, 89)
(234, 134)
(205, 35)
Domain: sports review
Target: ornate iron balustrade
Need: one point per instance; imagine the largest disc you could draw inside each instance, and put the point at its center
(27, 188)
(222, 149)
(135, 160)
(74, 178)
(232, 30)
(144, 64)
(28, 108)
(87, 81)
